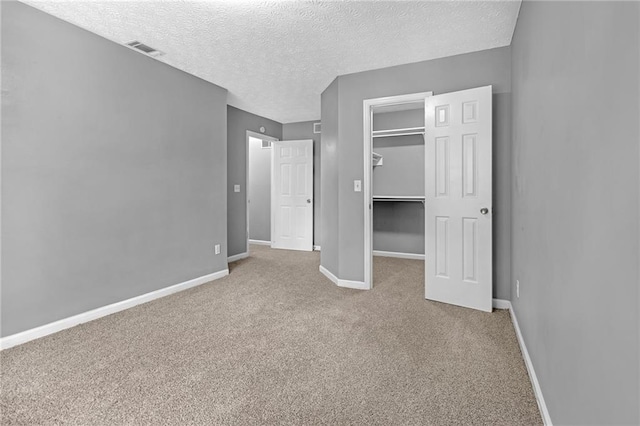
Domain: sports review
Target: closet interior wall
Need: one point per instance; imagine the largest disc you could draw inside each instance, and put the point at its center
(398, 224)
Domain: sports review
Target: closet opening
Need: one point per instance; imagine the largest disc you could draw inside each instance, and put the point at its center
(428, 190)
(394, 178)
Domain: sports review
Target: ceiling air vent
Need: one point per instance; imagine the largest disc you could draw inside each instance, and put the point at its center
(145, 49)
(317, 127)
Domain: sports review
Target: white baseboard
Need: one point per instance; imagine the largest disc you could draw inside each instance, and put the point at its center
(537, 390)
(501, 304)
(260, 242)
(398, 255)
(316, 248)
(358, 285)
(327, 273)
(237, 257)
(47, 329)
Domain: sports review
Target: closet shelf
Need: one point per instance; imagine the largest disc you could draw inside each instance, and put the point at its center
(409, 131)
(409, 198)
(376, 159)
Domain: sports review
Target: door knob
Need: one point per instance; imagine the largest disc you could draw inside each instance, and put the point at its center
(484, 210)
(309, 200)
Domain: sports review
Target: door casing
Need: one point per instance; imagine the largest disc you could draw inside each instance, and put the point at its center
(368, 104)
(250, 134)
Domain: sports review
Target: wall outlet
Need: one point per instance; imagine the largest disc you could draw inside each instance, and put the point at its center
(518, 289)
(217, 248)
(357, 186)
(236, 188)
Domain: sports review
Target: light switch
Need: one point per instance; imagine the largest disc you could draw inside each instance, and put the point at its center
(236, 188)
(357, 186)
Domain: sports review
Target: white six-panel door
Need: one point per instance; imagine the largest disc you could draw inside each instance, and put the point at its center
(292, 195)
(458, 145)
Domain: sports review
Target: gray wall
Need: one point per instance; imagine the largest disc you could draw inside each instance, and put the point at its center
(575, 205)
(402, 169)
(398, 227)
(440, 76)
(398, 119)
(304, 130)
(238, 122)
(113, 172)
(259, 191)
(329, 176)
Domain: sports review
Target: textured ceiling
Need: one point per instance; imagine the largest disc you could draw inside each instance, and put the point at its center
(276, 57)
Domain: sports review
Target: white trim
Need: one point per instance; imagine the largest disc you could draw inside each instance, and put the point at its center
(537, 390)
(327, 273)
(316, 248)
(260, 136)
(399, 255)
(501, 304)
(367, 178)
(237, 257)
(63, 324)
(358, 285)
(260, 242)
(398, 198)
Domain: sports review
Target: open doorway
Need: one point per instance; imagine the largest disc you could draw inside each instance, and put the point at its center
(279, 194)
(394, 178)
(258, 194)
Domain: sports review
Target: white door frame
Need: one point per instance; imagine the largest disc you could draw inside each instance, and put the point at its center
(368, 149)
(246, 189)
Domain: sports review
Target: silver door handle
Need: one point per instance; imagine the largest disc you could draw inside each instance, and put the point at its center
(309, 200)
(484, 210)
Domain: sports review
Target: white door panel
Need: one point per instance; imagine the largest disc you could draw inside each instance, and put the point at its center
(292, 195)
(458, 144)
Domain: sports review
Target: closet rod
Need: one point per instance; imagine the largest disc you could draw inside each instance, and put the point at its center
(407, 131)
(390, 135)
(419, 104)
(399, 130)
(405, 198)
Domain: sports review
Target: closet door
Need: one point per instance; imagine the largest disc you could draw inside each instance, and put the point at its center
(458, 189)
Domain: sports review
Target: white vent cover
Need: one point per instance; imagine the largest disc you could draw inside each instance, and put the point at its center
(144, 48)
(317, 127)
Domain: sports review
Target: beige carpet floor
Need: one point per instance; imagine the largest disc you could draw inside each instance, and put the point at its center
(277, 343)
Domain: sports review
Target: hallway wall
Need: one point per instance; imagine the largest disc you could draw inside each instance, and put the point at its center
(238, 122)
